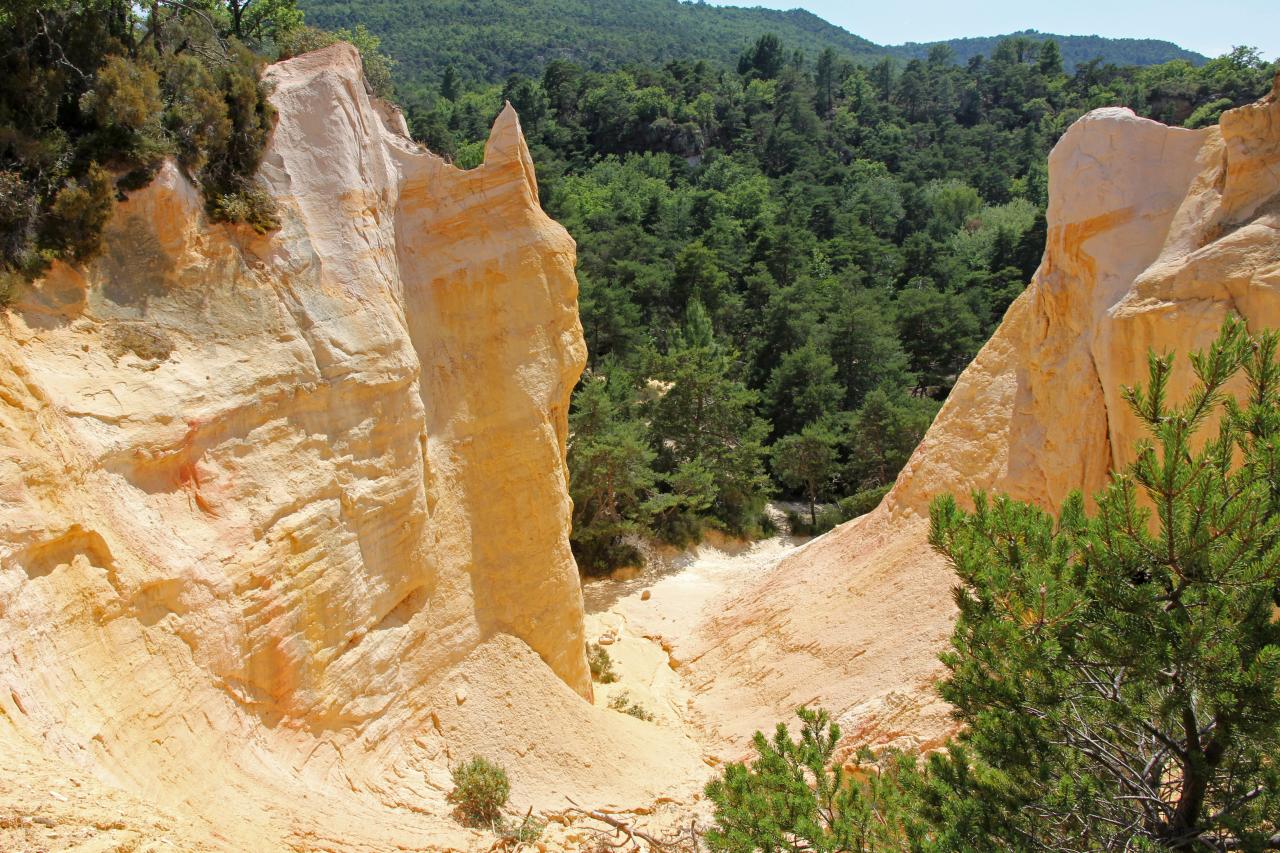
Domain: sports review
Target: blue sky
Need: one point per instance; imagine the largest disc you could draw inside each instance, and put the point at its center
(1211, 28)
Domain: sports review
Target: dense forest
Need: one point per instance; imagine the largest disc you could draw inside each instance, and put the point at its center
(488, 40)
(786, 263)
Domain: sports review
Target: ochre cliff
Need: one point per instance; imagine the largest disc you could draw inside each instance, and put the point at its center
(284, 518)
(1155, 235)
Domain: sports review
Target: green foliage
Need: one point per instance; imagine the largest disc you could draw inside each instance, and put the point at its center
(1118, 672)
(939, 332)
(763, 60)
(787, 245)
(859, 503)
(488, 40)
(96, 94)
(480, 791)
(227, 177)
(527, 831)
(1054, 52)
(624, 703)
(80, 210)
(807, 461)
(263, 22)
(125, 94)
(796, 795)
(802, 388)
(862, 502)
(883, 432)
(611, 476)
(708, 440)
(601, 664)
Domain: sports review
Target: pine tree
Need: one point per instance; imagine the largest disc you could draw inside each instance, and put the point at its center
(801, 389)
(825, 83)
(883, 432)
(703, 426)
(611, 478)
(807, 461)
(1118, 673)
(449, 84)
(796, 797)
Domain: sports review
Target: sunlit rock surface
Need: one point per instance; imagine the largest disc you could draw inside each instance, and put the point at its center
(1155, 235)
(284, 518)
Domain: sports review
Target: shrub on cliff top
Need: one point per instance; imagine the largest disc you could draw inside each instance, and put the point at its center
(95, 94)
(377, 65)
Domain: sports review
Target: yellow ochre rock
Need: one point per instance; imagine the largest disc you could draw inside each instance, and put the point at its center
(1155, 234)
(271, 506)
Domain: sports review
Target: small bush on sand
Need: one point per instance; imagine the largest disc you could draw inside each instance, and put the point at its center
(601, 664)
(480, 790)
(622, 702)
(527, 831)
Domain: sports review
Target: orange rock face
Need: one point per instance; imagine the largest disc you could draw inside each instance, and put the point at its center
(1155, 235)
(271, 506)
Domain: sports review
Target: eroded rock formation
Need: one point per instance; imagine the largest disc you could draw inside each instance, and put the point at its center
(1155, 234)
(284, 518)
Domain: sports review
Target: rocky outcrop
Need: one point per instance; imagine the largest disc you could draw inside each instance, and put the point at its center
(1155, 235)
(284, 518)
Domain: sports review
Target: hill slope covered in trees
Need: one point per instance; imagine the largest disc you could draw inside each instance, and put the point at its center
(491, 39)
(1076, 50)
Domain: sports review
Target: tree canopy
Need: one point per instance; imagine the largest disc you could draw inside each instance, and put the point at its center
(96, 94)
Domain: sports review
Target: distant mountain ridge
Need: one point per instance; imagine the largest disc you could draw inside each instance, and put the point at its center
(1076, 50)
(491, 39)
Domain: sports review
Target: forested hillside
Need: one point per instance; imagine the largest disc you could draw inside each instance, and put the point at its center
(1076, 50)
(785, 263)
(487, 40)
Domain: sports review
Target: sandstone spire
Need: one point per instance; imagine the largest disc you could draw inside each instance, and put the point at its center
(506, 148)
